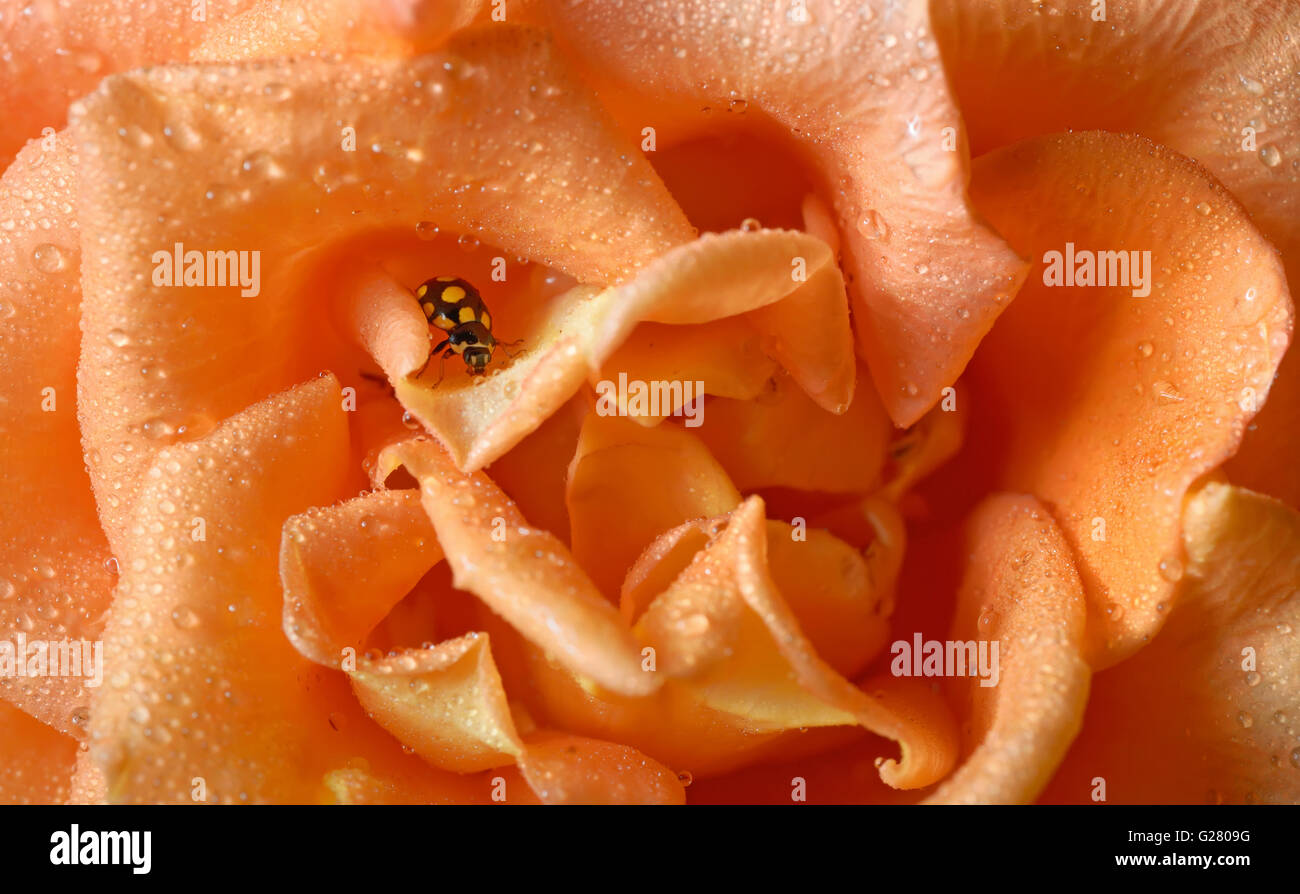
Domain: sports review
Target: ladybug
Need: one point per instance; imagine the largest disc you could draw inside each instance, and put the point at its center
(454, 306)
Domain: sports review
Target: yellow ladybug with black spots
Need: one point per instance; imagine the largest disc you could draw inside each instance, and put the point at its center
(454, 306)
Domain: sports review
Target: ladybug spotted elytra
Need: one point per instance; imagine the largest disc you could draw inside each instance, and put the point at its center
(455, 307)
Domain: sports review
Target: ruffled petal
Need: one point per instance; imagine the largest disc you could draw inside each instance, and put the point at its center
(202, 683)
(1207, 713)
(572, 336)
(56, 574)
(249, 157)
(524, 574)
(866, 99)
(36, 761)
(1021, 594)
(57, 52)
(739, 671)
(1107, 405)
(725, 357)
(565, 769)
(784, 439)
(533, 473)
(1214, 81)
(726, 604)
(838, 595)
(344, 567)
(446, 702)
(628, 484)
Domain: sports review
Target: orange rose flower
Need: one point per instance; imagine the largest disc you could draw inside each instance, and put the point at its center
(495, 400)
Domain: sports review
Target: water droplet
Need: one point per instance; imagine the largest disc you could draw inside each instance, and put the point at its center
(1245, 720)
(1252, 679)
(685, 778)
(410, 421)
(874, 226)
(183, 136)
(1171, 569)
(695, 625)
(1295, 758)
(87, 60)
(466, 242)
(184, 618)
(750, 225)
(278, 92)
(1279, 717)
(1252, 86)
(426, 230)
(118, 338)
(262, 164)
(1166, 393)
(48, 258)
(1203, 208)
(1114, 611)
(1146, 349)
(1270, 155)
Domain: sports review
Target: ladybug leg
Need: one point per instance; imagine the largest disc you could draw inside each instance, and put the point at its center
(507, 345)
(433, 351)
(442, 366)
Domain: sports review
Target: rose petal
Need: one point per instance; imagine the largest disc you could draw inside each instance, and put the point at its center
(354, 785)
(628, 484)
(1207, 713)
(533, 473)
(478, 421)
(56, 573)
(88, 784)
(725, 274)
(342, 569)
(1107, 406)
(524, 574)
(746, 677)
(924, 447)
(36, 761)
(446, 702)
(725, 357)
(784, 439)
(58, 52)
(725, 603)
(253, 160)
(571, 336)
(1191, 78)
(840, 605)
(573, 770)
(870, 109)
(1021, 592)
(216, 691)
(274, 28)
